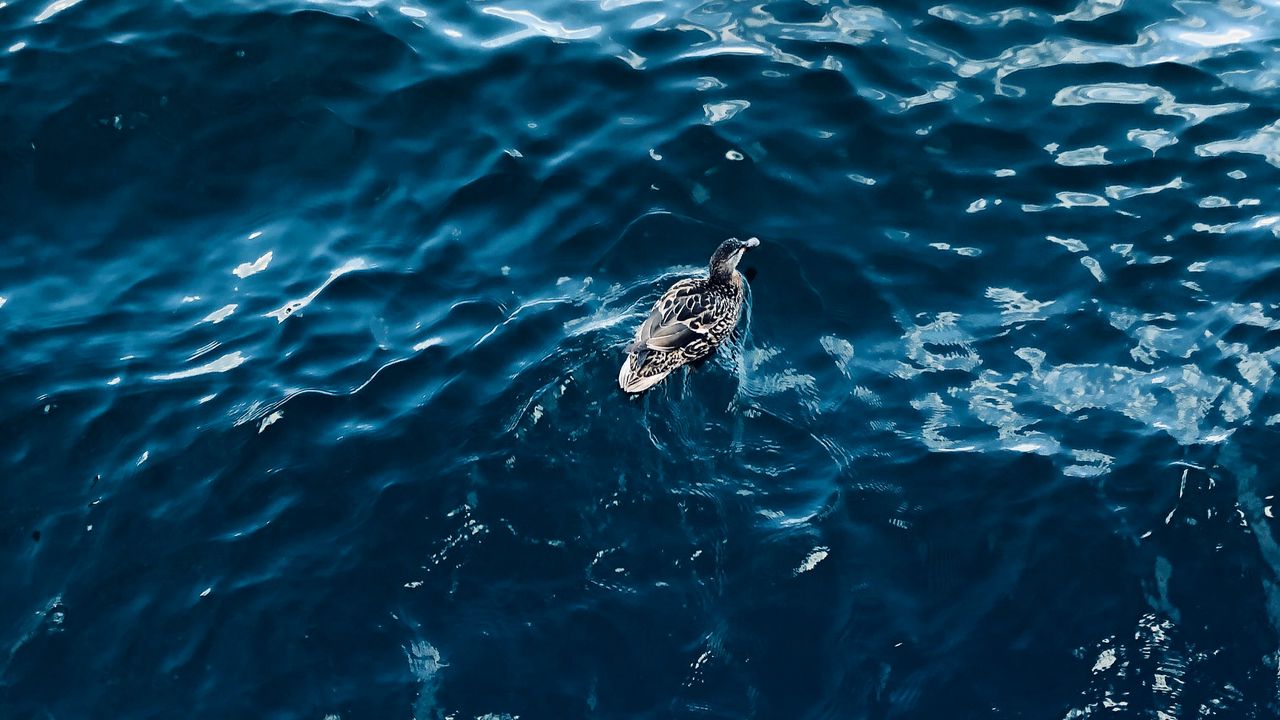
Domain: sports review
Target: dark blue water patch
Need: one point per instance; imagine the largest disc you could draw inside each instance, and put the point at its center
(310, 319)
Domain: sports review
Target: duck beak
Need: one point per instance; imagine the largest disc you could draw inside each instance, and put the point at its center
(751, 242)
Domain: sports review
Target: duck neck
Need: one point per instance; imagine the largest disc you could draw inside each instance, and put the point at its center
(722, 273)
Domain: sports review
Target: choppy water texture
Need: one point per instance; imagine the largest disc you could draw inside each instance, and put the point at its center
(311, 313)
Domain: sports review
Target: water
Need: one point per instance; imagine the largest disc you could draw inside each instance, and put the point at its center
(311, 314)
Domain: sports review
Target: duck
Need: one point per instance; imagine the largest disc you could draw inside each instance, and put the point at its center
(690, 319)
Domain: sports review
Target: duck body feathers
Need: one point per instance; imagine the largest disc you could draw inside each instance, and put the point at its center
(685, 325)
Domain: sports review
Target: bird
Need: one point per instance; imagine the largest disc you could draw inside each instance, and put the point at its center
(690, 319)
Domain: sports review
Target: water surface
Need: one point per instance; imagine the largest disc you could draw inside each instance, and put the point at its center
(311, 314)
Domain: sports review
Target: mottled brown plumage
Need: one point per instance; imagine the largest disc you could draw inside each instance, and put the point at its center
(688, 321)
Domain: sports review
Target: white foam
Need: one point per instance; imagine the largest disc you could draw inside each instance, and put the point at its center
(1094, 268)
(1016, 307)
(270, 420)
(1265, 142)
(816, 556)
(55, 8)
(721, 111)
(220, 314)
(244, 270)
(533, 26)
(227, 362)
(1095, 155)
(1071, 244)
(1121, 93)
(1152, 140)
(429, 342)
(284, 311)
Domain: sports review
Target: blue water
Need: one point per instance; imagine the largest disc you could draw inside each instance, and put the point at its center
(311, 315)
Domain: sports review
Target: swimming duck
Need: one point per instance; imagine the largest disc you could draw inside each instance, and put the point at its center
(688, 321)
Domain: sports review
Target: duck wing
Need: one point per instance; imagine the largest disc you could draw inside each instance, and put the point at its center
(677, 320)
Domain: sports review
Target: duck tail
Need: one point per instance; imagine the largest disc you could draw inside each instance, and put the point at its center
(632, 377)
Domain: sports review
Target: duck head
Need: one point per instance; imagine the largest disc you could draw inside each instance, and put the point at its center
(725, 259)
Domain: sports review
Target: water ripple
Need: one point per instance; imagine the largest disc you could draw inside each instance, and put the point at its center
(1004, 380)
